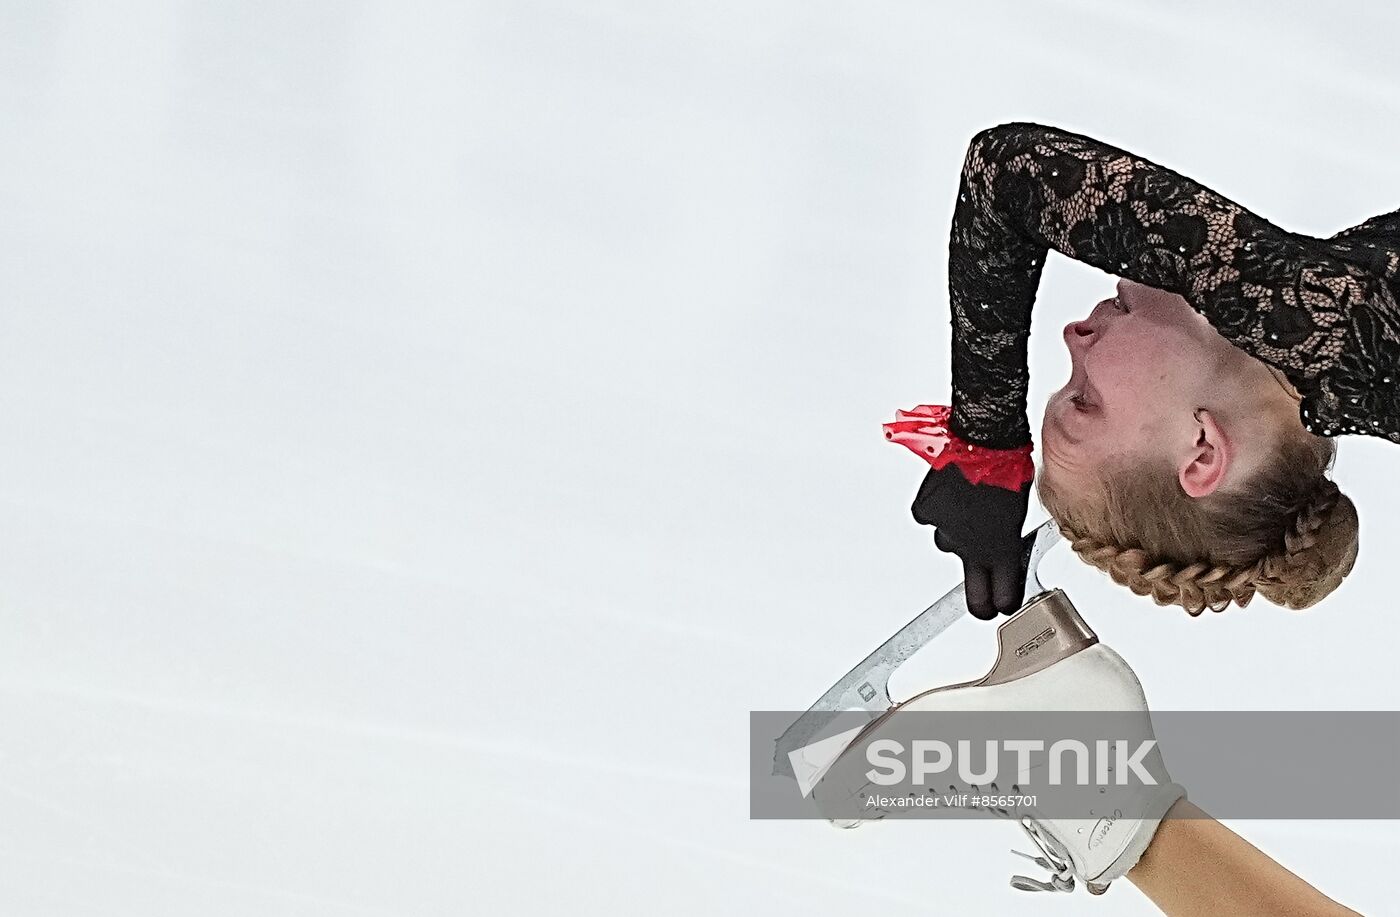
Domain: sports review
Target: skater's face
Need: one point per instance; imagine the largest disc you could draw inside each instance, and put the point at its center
(1153, 382)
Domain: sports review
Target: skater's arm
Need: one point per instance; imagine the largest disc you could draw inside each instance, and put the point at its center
(1196, 867)
(1322, 311)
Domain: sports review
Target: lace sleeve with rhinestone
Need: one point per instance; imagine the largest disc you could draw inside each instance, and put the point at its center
(1323, 311)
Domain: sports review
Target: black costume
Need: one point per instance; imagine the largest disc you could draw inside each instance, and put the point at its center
(1323, 311)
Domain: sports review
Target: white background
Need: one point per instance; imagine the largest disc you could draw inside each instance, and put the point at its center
(428, 430)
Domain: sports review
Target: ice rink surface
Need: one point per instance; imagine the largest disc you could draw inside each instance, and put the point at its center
(428, 430)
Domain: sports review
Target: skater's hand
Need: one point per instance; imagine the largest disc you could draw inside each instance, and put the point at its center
(981, 523)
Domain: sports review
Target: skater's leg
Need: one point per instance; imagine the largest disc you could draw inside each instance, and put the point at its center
(1197, 866)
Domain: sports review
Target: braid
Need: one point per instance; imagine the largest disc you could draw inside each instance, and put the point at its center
(1291, 574)
(1302, 534)
(1286, 532)
(1194, 586)
(1285, 576)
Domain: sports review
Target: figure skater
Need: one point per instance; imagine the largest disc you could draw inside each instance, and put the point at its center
(1187, 457)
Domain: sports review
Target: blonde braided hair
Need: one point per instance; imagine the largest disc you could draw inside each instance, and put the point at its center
(1290, 534)
(1199, 585)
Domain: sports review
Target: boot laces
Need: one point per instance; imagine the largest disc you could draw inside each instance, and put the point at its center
(1062, 878)
(1052, 858)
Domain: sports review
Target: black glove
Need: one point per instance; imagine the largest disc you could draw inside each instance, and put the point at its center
(981, 523)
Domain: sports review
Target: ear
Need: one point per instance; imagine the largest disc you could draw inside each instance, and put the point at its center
(1205, 464)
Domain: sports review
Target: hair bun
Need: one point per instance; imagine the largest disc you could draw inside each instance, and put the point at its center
(1319, 552)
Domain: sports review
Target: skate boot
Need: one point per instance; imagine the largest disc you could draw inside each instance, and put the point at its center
(1048, 662)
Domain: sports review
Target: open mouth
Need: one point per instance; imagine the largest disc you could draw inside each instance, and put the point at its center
(1056, 410)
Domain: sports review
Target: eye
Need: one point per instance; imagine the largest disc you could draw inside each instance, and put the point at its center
(1080, 402)
(1120, 305)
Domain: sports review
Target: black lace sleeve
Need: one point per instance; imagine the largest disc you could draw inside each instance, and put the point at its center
(1321, 310)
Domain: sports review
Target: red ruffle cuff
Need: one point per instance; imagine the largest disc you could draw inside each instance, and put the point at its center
(924, 431)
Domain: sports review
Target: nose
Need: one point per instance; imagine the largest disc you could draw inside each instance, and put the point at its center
(1079, 335)
(1083, 334)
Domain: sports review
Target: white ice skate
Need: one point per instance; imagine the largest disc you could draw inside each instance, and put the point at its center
(1048, 661)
